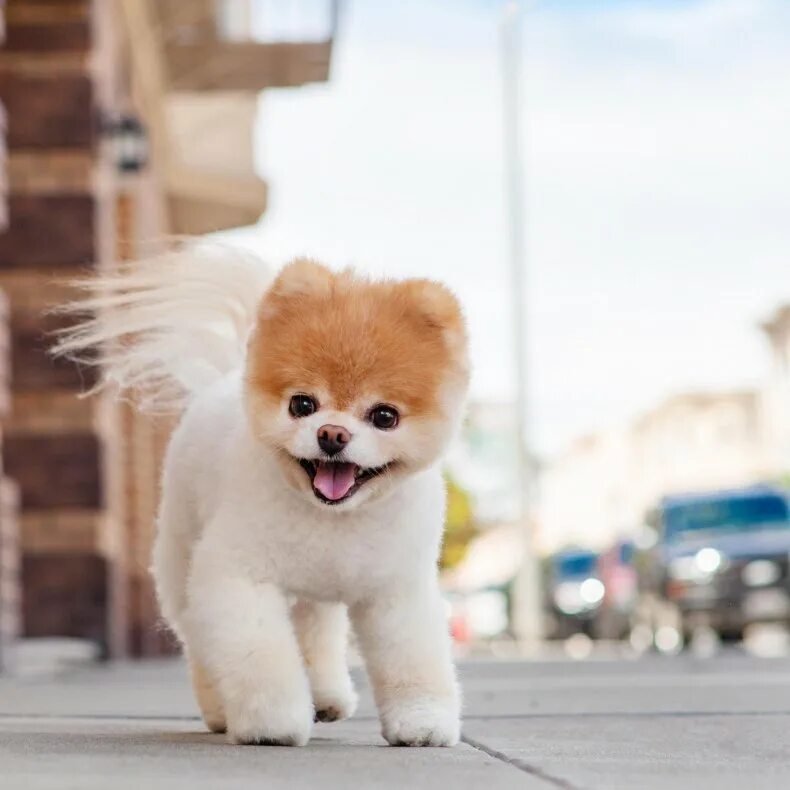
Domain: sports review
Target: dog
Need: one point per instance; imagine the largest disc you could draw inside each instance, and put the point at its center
(301, 490)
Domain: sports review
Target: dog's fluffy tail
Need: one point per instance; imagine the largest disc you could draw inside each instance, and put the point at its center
(167, 327)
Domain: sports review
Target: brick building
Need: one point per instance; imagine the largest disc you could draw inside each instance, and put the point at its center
(87, 85)
(10, 555)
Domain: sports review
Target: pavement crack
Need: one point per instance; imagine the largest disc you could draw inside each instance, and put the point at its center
(521, 765)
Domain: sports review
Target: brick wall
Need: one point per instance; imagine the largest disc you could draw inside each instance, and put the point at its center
(55, 83)
(10, 572)
(10, 555)
(3, 150)
(10, 592)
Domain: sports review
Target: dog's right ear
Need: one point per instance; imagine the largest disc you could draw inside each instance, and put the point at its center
(304, 277)
(297, 281)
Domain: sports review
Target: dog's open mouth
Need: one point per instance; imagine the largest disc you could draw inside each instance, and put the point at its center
(336, 481)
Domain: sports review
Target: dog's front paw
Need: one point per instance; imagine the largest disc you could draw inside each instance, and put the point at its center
(421, 723)
(260, 720)
(334, 704)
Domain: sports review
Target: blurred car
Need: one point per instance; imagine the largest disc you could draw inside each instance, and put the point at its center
(575, 593)
(721, 559)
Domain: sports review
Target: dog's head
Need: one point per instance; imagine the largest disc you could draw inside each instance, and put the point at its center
(354, 383)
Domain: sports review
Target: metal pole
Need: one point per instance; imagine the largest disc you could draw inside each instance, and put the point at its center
(527, 620)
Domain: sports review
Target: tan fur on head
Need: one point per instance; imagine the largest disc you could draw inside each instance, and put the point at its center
(347, 334)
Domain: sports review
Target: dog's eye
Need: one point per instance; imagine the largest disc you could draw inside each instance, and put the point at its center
(384, 417)
(302, 405)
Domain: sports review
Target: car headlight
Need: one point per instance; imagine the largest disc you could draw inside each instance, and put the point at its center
(761, 573)
(708, 560)
(683, 569)
(592, 591)
(567, 597)
(697, 568)
(578, 597)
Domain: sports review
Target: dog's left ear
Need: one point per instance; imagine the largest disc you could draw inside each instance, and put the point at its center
(437, 304)
(439, 309)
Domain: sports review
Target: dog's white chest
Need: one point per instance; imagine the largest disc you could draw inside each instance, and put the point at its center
(330, 556)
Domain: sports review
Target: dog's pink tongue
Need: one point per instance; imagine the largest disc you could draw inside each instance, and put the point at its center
(334, 480)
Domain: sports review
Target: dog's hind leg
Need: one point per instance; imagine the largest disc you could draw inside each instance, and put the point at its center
(322, 629)
(171, 559)
(208, 697)
(170, 567)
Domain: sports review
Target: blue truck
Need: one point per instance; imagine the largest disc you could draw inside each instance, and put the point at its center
(722, 558)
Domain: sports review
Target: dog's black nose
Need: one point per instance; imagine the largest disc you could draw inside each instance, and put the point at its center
(333, 438)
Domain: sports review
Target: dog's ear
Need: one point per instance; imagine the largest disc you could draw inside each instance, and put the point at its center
(436, 303)
(302, 276)
(438, 309)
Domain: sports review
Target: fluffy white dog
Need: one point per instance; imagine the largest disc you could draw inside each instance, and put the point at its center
(302, 485)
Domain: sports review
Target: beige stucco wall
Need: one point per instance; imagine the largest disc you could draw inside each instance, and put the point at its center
(213, 131)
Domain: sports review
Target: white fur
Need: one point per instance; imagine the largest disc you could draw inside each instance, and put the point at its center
(256, 576)
(170, 325)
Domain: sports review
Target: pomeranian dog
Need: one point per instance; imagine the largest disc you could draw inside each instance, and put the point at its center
(302, 488)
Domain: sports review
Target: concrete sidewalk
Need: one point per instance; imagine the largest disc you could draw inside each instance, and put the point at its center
(654, 723)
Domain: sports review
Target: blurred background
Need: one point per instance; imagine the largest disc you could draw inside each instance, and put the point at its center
(604, 184)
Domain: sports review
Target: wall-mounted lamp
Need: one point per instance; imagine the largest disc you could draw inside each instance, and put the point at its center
(129, 143)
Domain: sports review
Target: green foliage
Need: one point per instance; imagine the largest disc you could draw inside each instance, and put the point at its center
(783, 480)
(460, 528)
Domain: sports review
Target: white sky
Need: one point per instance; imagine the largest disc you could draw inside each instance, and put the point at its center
(658, 173)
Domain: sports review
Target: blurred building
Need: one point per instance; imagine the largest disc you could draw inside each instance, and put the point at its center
(697, 441)
(602, 486)
(128, 121)
(776, 397)
(584, 492)
(10, 555)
